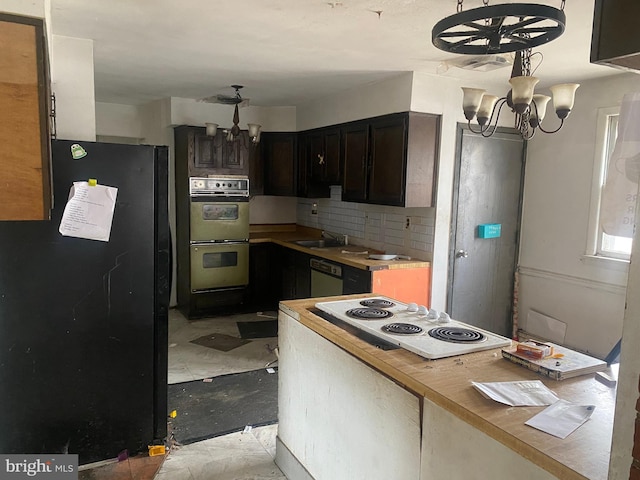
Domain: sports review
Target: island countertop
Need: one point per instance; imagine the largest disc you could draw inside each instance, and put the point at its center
(584, 454)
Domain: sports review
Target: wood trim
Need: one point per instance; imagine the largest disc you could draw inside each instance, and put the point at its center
(577, 281)
(25, 130)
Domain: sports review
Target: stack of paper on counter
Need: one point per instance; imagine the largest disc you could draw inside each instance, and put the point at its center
(562, 363)
(559, 419)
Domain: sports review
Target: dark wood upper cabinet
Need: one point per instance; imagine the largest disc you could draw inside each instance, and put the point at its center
(321, 158)
(208, 155)
(25, 143)
(615, 41)
(310, 172)
(355, 150)
(279, 157)
(332, 158)
(387, 167)
(391, 160)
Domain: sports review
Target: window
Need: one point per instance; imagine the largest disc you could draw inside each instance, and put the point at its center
(599, 243)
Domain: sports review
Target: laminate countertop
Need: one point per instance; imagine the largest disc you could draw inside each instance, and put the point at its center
(353, 255)
(584, 454)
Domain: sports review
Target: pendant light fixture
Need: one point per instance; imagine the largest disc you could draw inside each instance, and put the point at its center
(529, 108)
(513, 27)
(234, 132)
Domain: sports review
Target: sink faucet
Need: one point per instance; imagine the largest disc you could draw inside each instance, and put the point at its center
(343, 239)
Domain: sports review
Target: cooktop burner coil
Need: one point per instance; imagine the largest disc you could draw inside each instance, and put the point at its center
(369, 313)
(457, 335)
(377, 303)
(402, 328)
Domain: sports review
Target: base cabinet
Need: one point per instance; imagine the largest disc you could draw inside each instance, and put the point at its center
(263, 292)
(296, 274)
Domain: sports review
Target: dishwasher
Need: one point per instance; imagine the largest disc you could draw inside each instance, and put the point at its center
(326, 278)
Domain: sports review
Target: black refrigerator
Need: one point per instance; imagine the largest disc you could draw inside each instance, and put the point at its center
(83, 323)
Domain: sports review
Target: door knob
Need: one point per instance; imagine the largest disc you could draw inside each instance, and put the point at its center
(462, 254)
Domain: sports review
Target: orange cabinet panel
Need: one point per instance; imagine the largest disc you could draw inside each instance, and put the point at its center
(403, 284)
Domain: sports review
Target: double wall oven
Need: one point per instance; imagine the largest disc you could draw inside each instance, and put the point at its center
(219, 233)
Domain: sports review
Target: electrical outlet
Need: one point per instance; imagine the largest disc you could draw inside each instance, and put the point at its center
(408, 223)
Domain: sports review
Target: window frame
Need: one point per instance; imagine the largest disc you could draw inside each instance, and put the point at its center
(602, 150)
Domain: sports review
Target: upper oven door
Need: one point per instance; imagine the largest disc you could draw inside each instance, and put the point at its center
(215, 220)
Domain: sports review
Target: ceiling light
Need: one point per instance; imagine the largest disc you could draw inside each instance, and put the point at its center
(498, 28)
(529, 108)
(513, 27)
(233, 133)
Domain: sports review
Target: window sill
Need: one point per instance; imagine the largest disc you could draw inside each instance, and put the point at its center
(617, 264)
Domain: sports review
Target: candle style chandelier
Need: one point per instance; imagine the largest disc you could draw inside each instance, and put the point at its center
(515, 27)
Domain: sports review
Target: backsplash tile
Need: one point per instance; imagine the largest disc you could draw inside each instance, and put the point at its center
(376, 226)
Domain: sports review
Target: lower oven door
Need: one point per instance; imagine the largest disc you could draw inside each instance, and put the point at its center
(213, 219)
(219, 265)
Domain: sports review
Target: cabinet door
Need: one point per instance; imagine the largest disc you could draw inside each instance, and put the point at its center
(256, 169)
(263, 288)
(309, 172)
(235, 155)
(302, 188)
(355, 280)
(206, 153)
(388, 166)
(333, 165)
(317, 154)
(303, 275)
(355, 153)
(288, 270)
(279, 163)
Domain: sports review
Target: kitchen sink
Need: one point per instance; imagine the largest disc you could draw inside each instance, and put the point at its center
(320, 243)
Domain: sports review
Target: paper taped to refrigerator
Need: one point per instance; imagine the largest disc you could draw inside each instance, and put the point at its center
(89, 212)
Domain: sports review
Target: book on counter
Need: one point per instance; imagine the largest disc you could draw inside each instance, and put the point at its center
(561, 363)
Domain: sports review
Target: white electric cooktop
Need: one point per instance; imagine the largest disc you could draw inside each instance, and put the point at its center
(419, 333)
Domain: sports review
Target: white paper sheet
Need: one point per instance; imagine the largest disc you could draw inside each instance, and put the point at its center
(89, 212)
(518, 394)
(561, 418)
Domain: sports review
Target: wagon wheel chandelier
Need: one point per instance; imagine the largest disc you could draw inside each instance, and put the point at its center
(515, 27)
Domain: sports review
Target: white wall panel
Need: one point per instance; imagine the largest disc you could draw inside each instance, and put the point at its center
(341, 419)
(73, 85)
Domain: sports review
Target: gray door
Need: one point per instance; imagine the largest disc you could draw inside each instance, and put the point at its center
(487, 198)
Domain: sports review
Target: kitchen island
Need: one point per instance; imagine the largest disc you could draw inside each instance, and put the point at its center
(349, 410)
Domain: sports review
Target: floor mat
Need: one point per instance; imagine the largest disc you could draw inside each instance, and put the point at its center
(226, 404)
(259, 329)
(220, 341)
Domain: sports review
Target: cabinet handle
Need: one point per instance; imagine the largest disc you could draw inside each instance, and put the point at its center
(320, 159)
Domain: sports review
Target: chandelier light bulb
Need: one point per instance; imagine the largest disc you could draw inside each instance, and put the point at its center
(563, 98)
(211, 129)
(538, 111)
(486, 108)
(471, 101)
(522, 92)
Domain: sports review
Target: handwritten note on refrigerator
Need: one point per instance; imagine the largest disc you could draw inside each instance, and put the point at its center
(89, 211)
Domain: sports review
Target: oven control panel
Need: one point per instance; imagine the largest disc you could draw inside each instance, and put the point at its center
(226, 186)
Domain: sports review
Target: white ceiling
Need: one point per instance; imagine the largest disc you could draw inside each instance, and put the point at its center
(285, 52)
